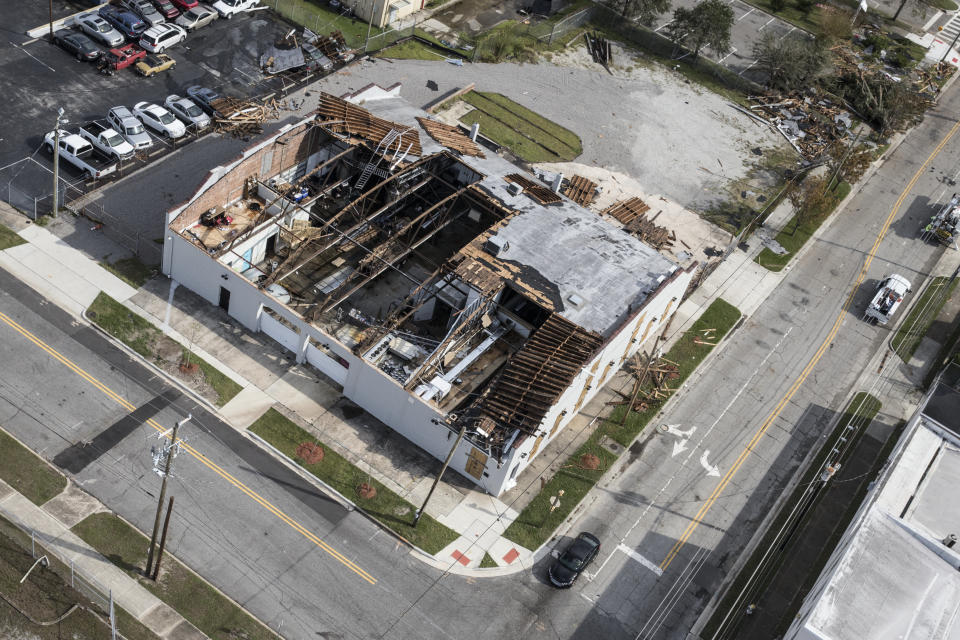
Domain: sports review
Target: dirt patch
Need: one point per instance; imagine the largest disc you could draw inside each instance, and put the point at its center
(310, 452)
(367, 491)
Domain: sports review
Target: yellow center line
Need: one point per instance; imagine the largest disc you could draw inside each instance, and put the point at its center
(748, 449)
(296, 526)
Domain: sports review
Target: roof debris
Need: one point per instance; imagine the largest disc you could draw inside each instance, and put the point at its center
(451, 137)
(538, 192)
(580, 189)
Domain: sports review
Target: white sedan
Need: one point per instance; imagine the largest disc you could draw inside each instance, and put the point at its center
(159, 119)
(188, 111)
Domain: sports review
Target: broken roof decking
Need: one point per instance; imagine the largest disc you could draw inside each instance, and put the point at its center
(451, 137)
(535, 190)
(536, 375)
(339, 116)
(580, 189)
(556, 251)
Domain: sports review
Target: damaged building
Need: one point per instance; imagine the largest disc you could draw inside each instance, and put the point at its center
(441, 287)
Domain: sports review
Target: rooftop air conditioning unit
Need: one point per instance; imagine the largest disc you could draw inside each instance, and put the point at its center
(496, 246)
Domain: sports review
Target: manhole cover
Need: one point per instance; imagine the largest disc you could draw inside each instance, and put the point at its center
(611, 445)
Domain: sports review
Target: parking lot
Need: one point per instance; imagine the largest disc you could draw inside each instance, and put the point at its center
(39, 77)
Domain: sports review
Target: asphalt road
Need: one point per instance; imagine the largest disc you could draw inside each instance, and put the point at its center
(689, 500)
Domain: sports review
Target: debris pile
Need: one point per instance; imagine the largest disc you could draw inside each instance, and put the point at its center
(652, 377)
(631, 213)
(599, 49)
(810, 124)
(333, 46)
(579, 189)
(242, 117)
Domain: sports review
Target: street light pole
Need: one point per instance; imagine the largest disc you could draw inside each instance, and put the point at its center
(163, 491)
(51, 19)
(950, 48)
(56, 162)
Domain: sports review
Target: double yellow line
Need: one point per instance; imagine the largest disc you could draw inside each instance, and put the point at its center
(695, 522)
(107, 391)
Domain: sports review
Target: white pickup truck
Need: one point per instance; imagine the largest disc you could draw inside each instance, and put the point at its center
(81, 154)
(107, 140)
(889, 296)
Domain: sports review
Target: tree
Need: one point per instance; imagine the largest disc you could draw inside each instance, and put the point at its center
(778, 5)
(806, 6)
(884, 103)
(810, 199)
(790, 63)
(645, 11)
(707, 24)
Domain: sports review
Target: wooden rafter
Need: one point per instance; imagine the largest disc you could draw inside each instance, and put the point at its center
(581, 190)
(533, 189)
(451, 137)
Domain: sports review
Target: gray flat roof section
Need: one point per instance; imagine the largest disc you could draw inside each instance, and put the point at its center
(573, 251)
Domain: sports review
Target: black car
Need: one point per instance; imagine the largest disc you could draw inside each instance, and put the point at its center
(123, 21)
(574, 560)
(203, 96)
(78, 44)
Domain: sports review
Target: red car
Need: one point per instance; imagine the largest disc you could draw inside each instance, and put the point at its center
(166, 9)
(183, 5)
(124, 56)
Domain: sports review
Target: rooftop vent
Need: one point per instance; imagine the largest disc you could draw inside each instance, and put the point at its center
(496, 246)
(950, 540)
(575, 300)
(514, 189)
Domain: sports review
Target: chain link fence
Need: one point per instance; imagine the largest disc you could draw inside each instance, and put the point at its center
(124, 234)
(547, 31)
(99, 597)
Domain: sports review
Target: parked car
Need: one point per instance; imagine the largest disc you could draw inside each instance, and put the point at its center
(107, 140)
(126, 22)
(197, 17)
(203, 97)
(145, 9)
(129, 127)
(161, 37)
(81, 154)
(123, 57)
(159, 119)
(315, 60)
(166, 9)
(186, 110)
(229, 8)
(154, 63)
(99, 29)
(77, 44)
(185, 5)
(574, 560)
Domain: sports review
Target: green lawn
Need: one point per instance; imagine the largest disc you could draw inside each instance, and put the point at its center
(487, 562)
(9, 238)
(205, 607)
(536, 523)
(130, 270)
(141, 336)
(28, 474)
(323, 20)
(525, 124)
(922, 314)
(522, 147)
(335, 470)
(411, 50)
(795, 235)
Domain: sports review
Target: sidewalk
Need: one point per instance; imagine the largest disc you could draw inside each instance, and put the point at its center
(270, 378)
(52, 523)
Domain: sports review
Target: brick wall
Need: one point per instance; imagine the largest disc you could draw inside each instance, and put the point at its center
(287, 149)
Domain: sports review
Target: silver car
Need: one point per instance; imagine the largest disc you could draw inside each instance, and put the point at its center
(121, 119)
(99, 29)
(145, 9)
(199, 16)
(186, 110)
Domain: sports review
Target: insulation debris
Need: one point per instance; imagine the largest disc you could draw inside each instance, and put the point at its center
(579, 189)
(537, 191)
(451, 137)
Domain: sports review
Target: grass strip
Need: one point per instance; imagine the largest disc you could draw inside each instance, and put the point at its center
(9, 238)
(45, 595)
(864, 407)
(411, 49)
(387, 507)
(521, 146)
(324, 21)
(23, 470)
(537, 522)
(130, 270)
(564, 135)
(796, 233)
(530, 129)
(487, 562)
(202, 605)
(140, 335)
(922, 314)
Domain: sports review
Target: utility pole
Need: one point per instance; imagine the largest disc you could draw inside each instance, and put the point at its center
(416, 516)
(163, 540)
(950, 48)
(51, 19)
(170, 450)
(56, 160)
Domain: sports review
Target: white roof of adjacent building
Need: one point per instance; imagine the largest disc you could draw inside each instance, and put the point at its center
(573, 251)
(891, 577)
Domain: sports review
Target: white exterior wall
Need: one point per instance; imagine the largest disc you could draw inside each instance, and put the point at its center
(622, 342)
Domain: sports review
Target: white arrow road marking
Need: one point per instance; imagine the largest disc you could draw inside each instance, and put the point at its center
(639, 558)
(678, 447)
(674, 430)
(711, 470)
